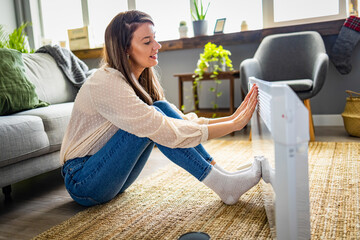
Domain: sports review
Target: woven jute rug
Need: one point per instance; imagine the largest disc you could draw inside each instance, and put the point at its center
(172, 202)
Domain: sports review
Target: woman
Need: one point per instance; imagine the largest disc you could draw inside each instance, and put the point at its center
(120, 114)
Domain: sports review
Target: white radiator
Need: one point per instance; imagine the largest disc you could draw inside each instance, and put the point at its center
(280, 135)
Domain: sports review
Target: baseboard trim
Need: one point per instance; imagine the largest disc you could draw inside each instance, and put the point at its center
(328, 120)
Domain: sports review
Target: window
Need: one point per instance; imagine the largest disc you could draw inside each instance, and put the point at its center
(100, 15)
(289, 12)
(57, 17)
(167, 16)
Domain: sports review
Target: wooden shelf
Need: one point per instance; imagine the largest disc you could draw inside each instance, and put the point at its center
(89, 53)
(324, 28)
(185, 77)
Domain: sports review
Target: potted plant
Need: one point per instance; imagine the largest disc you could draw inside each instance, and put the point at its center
(183, 29)
(214, 59)
(15, 40)
(199, 22)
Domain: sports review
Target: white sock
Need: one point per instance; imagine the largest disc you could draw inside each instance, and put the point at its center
(267, 172)
(243, 168)
(230, 187)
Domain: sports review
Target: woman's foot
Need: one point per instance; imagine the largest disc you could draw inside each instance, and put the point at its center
(231, 187)
(267, 172)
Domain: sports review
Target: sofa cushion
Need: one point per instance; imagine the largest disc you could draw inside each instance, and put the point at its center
(55, 119)
(298, 85)
(16, 92)
(21, 137)
(51, 84)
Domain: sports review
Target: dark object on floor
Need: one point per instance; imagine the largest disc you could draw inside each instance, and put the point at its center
(194, 236)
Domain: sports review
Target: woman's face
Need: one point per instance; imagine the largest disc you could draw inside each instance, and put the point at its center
(143, 49)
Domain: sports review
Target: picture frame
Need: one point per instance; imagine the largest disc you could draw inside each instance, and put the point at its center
(219, 25)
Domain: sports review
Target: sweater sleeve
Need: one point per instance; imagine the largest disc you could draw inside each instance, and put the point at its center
(116, 101)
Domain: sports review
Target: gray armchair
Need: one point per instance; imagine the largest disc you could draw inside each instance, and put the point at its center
(297, 59)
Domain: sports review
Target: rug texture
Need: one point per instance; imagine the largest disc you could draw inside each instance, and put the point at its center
(172, 202)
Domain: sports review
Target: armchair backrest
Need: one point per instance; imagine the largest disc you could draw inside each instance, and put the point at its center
(289, 56)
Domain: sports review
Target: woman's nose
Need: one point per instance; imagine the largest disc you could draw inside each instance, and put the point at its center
(157, 45)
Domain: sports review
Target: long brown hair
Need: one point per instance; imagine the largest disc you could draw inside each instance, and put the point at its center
(118, 36)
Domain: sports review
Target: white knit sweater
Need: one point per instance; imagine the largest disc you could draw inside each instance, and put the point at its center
(106, 103)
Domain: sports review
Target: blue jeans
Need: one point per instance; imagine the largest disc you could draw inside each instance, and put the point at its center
(97, 179)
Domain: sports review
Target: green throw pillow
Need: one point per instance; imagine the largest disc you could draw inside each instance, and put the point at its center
(16, 92)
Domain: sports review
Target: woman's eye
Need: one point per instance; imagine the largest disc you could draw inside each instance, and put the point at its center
(147, 43)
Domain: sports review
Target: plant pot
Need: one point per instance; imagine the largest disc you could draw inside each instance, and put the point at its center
(200, 28)
(221, 65)
(183, 31)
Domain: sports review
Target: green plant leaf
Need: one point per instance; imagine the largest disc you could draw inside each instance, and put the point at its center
(212, 54)
(192, 14)
(16, 39)
(207, 8)
(197, 11)
(200, 14)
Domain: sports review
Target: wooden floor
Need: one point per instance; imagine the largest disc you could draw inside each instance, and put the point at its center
(42, 202)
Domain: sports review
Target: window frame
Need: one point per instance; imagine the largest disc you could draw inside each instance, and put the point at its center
(268, 15)
(267, 9)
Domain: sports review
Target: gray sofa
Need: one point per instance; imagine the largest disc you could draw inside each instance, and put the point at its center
(30, 140)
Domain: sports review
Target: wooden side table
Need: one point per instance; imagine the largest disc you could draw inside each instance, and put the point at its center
(229, 75)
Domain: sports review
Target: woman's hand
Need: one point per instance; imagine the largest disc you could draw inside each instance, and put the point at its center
(245, 102)
(238, 110)
(243, 114)
(238, 120)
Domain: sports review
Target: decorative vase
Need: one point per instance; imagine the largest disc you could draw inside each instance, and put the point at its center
(244, 26)
(183, 31)
(221, 65)
(200, 28)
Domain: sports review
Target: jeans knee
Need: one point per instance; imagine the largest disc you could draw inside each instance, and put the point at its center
(163, 105)
(165, 108)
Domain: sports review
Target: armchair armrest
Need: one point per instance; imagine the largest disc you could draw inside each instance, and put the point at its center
(249, 68)
(319, 72)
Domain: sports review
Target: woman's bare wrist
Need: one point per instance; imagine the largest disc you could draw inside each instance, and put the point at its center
(220, 129)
